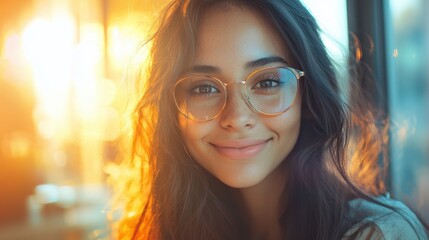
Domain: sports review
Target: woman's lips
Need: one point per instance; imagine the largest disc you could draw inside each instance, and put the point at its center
(240, 149)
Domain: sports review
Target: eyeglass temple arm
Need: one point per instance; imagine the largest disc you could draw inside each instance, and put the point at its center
(298, 72)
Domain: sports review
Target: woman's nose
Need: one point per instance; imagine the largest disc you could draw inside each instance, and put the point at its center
(237, 114)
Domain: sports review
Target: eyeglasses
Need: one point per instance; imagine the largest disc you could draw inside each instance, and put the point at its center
(269, 91)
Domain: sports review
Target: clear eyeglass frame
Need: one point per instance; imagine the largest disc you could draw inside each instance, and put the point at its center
(297, 73)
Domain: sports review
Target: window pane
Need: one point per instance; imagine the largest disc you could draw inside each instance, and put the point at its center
(333, 24)
(408, 51)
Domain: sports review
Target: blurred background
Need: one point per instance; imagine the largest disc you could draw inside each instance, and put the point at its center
(63, 98)
(62, 67)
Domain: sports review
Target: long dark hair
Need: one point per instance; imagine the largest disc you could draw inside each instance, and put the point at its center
(172, 197)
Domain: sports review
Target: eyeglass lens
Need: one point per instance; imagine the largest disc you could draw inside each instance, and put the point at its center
(271, 91)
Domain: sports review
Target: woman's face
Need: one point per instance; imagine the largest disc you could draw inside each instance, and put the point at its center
(240, 146)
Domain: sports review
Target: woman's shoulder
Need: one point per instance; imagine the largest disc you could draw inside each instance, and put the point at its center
(392, 221)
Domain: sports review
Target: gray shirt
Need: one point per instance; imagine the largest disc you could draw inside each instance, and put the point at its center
(385, 223)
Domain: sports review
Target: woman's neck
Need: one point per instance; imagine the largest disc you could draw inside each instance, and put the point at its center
(261, 206)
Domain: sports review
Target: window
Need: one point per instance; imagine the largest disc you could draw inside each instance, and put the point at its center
(407, 51)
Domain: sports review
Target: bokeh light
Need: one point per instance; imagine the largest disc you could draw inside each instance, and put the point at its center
(62, 98)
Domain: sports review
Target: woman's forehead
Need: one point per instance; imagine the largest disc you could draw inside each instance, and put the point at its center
(235, 37)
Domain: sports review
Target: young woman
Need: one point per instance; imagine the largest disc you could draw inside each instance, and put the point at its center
(241, 133)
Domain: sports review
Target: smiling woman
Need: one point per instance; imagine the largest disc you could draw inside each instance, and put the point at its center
(248, 136)
(241, 146)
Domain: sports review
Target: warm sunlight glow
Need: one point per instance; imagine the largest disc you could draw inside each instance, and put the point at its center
(48, 46)
(88, 69)
(64, 72)
(125, 48)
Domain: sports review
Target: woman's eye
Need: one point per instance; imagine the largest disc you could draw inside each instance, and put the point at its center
(269, 83)
(204, 89)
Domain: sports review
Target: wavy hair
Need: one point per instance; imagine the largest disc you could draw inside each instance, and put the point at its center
(335, 159)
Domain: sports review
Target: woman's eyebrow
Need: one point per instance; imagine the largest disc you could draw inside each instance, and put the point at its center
(205, 69)
(261, 62)
(265, 61)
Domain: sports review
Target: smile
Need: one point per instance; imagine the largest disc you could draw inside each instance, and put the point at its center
(240, 149)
